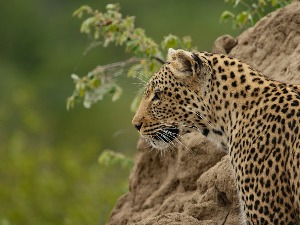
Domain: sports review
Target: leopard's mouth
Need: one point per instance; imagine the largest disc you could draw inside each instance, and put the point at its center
(167, 135)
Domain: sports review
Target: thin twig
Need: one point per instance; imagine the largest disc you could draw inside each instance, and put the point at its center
(158, 59)
(120, 64)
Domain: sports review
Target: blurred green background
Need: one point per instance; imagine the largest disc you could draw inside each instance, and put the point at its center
(49, 171)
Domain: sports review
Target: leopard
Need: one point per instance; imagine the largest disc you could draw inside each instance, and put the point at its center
(254, 119)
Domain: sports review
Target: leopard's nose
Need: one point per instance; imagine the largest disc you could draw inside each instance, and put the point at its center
(138, 121)
(138, 126)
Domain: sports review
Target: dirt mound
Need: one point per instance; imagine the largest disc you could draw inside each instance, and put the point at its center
(183, 185)
(193, 184)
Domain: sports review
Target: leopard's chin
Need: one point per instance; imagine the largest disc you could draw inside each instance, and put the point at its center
(157, 144)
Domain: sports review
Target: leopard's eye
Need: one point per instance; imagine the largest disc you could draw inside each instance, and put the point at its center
(157, 95)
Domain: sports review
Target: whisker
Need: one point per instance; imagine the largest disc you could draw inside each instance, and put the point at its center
(202, 117)
(169, 138)
(166, 137)
(192, 127)
(139, 85)
(173, 136)
(163, 140)
(143, 81)
(185, 147)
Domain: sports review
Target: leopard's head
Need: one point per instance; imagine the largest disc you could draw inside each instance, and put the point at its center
(173, 102)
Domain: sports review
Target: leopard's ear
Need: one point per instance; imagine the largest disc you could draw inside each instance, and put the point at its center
(186, 62)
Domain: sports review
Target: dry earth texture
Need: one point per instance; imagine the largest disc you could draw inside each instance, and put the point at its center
(193, 184)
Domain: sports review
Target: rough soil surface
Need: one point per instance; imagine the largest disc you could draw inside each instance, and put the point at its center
(193, 184)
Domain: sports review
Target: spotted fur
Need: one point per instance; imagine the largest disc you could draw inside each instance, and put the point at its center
(255, 119)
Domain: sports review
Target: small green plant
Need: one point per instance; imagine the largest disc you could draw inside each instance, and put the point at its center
(250, 11)
(111, 27)
(111, 158)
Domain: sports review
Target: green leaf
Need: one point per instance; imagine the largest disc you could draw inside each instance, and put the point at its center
(86, 25)
(136, 101)
(117, 93)
(226, 15)
(236, 3)
(82, 91)
(254, 6)
(187, 42)
(170, 41)
(129, 22)
(243, 17)
(79, 12)
(274, 3)
(262, 3)
(75, 77)
(113, 7)
(97, 34)
(112, 158)
(151, 66)
(94, 83)
(70, 103)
